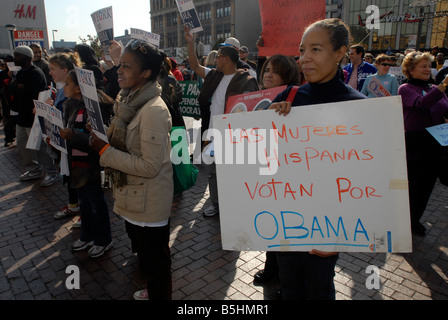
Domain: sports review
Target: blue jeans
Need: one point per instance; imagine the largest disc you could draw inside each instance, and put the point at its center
(95, 223)
(306, 277)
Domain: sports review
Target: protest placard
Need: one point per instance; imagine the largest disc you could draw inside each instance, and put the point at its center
(12, 67)
(52, 119)
(86, 80)
(145, 36)
(376, 88)
(325, 177)
(189, 15)
(35, 136)
(283, 23)
(104, 25)
(189, 107)
(258, 100)
(398, 73)
(440, 133)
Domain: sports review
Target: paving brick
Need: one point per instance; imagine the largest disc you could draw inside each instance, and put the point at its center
(35, 250)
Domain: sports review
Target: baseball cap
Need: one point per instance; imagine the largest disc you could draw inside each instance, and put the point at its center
(233, 42)
(244, 49)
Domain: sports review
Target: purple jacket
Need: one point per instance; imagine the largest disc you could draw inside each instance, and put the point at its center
(422, 106)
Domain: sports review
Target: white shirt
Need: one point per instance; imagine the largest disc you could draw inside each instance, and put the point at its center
(219, 97)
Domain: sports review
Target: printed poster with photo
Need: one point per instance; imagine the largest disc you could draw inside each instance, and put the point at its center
(252, 101)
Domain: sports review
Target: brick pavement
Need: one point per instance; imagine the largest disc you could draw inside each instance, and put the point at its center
(35, 252)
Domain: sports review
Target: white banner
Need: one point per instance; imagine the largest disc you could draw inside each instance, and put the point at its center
(330, 177)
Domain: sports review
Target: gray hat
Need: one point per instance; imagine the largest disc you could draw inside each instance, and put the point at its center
(244, 49)
(24, 50)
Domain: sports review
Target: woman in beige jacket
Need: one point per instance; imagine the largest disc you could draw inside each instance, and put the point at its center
(137, 159)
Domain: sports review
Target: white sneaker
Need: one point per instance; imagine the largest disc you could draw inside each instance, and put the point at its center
(67, 211)
(49, 180)
(141, 295)
(77, 224)
(210, 211)
(97, 251)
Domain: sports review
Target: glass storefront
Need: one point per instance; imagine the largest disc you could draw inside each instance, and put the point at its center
(402, 25)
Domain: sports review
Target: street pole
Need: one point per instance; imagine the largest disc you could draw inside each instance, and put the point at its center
(11, 28)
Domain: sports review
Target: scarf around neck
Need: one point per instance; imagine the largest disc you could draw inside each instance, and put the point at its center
(126, 107)
(419, 82)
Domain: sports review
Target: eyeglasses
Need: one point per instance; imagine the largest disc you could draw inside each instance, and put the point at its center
(387, 65)
(135, 44)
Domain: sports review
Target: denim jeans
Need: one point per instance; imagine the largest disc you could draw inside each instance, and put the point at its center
(95, 223)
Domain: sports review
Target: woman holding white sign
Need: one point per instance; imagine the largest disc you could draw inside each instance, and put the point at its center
(137, 159)
(309, 275)
(424, 105)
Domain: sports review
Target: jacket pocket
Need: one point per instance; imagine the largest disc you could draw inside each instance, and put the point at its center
(131, 198)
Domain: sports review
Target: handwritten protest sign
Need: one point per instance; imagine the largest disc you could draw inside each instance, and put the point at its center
(440, 133)
(324, 177)
(259, 100)
(103, 20)
(189, 15)
(53, 122)
(189, 107)
(145, 36)
(376, 88)
(283, 23)
(86, 80)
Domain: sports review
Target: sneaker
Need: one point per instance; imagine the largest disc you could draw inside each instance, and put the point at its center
(97, 251)
(30, 176)
(79, 245)
(49, 180)
(67, 211)
(210, 211)
(141, 294)
(77, 224)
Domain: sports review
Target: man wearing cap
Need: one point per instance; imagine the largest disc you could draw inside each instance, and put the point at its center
(233, 42)
(244, 52)
(219, 84)
(29, 82)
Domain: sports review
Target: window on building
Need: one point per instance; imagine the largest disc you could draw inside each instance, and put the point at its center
(227, 8)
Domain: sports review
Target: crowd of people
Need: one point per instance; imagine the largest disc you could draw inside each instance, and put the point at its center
(139, 94)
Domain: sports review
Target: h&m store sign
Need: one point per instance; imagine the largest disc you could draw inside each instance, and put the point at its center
(25, 11)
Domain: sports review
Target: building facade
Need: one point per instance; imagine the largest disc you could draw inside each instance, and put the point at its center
(403, 24)
(22, 22)
(219, 18)
(418, 24)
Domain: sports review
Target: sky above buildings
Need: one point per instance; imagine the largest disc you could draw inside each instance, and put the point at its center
(72, 17)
